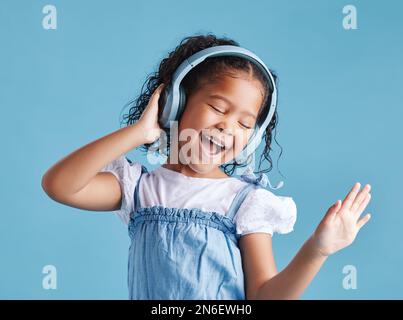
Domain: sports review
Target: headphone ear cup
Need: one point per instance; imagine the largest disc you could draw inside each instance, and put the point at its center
(162, 100)
(182, 101)
(162, 103)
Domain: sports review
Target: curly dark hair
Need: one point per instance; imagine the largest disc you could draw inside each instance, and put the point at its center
(210, 69)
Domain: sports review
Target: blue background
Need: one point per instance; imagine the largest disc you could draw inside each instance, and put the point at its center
(340, 112)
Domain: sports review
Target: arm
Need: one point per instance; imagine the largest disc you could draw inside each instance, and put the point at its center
(291, 282)
(75, 180)
(337, 230)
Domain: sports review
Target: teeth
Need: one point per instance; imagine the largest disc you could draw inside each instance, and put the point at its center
(213, 141)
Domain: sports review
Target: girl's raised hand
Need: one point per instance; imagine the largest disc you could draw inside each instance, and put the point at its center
(341, 223)
(149, 118)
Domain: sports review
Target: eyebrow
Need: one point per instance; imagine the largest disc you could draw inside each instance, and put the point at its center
(217, 96)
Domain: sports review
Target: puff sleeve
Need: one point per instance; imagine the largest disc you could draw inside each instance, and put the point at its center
(127, 173)
(263, 211)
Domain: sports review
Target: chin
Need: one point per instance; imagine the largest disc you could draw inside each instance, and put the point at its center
(203, 168)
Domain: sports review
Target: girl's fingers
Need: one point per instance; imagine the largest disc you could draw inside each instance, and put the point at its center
(360, 197)
(337, 206)
(363, 221)
(330, 214)
(155, 96)
(363, 204)
(348, 200)
(160, 87)
(157, 91)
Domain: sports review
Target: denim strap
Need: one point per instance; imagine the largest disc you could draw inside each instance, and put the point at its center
(136, 190)
(236, 203)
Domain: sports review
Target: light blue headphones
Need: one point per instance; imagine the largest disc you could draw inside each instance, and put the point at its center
(175, 98)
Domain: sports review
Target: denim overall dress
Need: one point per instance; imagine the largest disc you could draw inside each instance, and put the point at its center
(186, 254)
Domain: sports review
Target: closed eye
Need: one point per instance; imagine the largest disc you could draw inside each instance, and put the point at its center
(216, 109)
(245, 126)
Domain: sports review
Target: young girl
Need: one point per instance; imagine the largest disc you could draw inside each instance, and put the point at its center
(196, 231)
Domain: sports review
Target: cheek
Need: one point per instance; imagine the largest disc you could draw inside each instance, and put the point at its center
(240, 140)
(243, 137)
(195, 119)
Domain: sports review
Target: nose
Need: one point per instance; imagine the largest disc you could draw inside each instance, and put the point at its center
(225, 134)
(224, 128)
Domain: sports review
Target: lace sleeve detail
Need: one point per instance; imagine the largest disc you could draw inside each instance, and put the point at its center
(263, 211)
(127, 174)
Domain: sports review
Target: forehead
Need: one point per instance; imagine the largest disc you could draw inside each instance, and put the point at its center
(243, 92)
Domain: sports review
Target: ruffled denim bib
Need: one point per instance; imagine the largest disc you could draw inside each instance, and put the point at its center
(186, 254)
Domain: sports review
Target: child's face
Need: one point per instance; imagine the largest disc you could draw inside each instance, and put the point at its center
(232, 122)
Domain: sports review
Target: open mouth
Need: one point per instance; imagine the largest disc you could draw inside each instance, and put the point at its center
(209, 146)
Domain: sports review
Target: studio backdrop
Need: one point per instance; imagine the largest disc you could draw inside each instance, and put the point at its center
(69, 68)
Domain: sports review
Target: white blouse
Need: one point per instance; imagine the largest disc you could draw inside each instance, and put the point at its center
(261, 210)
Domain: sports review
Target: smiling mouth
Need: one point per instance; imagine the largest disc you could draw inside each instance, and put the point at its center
(209, 147)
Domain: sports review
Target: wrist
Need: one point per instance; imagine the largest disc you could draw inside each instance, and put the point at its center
(147, 135)
(315, 249)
